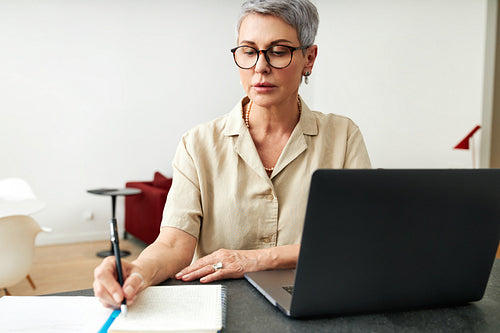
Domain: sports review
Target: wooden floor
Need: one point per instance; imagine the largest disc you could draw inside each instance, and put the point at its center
(67, 267)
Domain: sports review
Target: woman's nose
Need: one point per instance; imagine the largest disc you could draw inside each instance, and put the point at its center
(262, 65)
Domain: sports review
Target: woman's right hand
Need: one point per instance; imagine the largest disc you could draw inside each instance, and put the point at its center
(106, 286)
(172, 250)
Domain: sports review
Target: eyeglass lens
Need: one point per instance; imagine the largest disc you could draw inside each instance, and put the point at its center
(277, 56)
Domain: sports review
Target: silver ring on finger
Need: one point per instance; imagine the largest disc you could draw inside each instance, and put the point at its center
(217, 266)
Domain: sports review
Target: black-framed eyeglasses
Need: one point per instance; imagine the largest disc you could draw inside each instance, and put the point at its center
(277, 56)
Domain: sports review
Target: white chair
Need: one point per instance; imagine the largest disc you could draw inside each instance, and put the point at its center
(17, 246)
(17, 198)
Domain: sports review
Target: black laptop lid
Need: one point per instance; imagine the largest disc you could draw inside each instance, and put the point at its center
(375, 240)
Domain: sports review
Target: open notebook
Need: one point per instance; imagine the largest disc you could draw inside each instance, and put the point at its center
(184, 308)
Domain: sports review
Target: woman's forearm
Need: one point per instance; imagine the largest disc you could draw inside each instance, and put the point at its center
(279, 257)
(172, 251)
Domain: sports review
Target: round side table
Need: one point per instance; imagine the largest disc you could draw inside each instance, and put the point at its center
(113, 193)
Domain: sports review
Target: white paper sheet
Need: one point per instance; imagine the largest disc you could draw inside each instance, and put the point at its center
(52, 314)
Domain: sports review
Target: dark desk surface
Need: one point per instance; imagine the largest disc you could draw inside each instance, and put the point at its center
(249, 311)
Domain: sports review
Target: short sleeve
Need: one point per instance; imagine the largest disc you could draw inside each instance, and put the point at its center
(183, 209)
(356, 152)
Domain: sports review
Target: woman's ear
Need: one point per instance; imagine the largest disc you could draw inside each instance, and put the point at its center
(312, 53)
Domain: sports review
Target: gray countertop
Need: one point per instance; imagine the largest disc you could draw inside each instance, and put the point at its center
(249, 311)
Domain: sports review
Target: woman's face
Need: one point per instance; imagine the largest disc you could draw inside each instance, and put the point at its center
(265, 85)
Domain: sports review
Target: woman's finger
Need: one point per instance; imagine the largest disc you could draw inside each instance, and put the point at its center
(217, 275)
(197, 265)
(132, 286)
(199, 273)
(106, 288)
(103, 295)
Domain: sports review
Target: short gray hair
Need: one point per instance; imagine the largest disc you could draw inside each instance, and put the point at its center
(300, 14)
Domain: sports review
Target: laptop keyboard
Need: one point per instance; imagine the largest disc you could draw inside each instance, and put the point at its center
(288, 289)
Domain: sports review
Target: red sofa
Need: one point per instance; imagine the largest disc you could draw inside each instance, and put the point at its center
(143, 212)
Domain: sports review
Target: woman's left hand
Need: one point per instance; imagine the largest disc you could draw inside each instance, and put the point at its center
(232, 265)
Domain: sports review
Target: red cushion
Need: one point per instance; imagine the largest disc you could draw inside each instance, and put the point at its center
(143, 212)
(160, 181)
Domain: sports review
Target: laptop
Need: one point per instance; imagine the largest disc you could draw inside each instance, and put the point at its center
(382, 240)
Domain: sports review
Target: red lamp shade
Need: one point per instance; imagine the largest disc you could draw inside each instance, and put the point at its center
(464, 144)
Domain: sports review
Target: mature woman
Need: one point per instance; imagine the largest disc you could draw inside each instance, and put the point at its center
(240, 182)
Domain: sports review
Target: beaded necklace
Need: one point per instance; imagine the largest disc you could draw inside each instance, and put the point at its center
(247, 123)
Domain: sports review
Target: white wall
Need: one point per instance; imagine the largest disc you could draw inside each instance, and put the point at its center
(97, 93)
(410, 73)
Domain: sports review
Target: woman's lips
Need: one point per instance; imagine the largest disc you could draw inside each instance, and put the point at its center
(263, 87)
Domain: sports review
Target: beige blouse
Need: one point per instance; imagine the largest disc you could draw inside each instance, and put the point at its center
(222, 195)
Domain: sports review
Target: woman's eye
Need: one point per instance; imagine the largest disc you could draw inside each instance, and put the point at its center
(248, 51)
(278, 51)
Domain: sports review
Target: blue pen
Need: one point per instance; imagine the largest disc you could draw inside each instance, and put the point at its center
(116, 250)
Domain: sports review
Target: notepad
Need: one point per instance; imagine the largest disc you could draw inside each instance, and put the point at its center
(191, 308)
